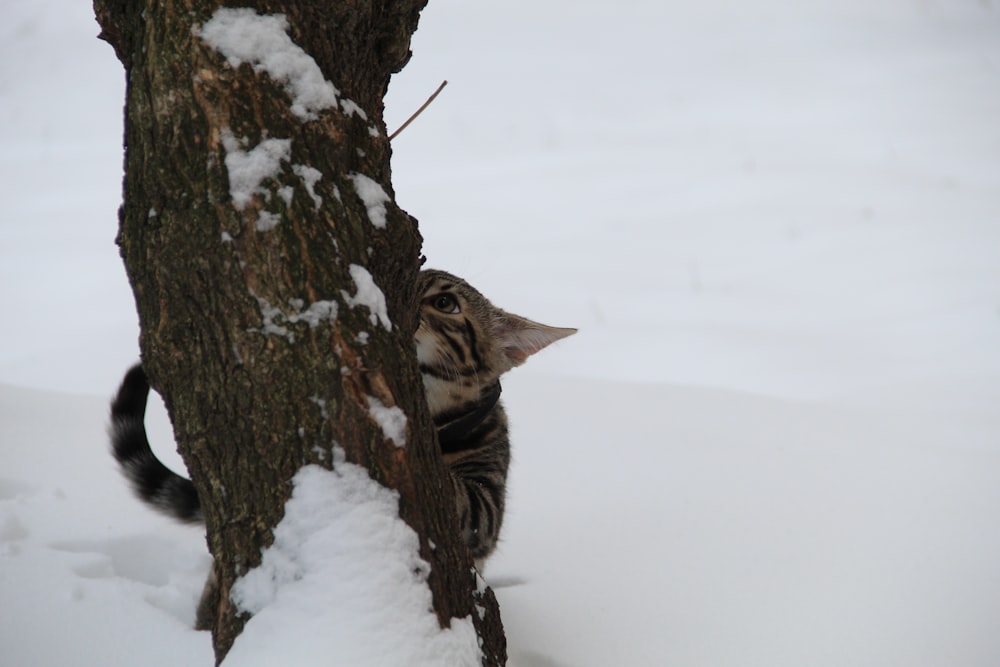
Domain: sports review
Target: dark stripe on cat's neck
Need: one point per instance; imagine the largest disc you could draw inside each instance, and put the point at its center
(452, 435)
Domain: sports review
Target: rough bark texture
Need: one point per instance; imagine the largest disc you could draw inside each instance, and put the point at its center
(252, 394)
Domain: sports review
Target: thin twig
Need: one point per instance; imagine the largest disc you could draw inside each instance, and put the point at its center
(418, 111)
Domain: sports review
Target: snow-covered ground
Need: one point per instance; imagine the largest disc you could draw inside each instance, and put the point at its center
(775, 440)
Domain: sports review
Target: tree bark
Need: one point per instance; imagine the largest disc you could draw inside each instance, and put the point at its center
(253, 328)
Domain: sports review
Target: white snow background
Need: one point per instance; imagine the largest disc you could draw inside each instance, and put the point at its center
(775, 440)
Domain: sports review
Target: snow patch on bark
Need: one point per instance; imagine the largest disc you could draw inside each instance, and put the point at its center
(310, 177)
(313, 315)
(248, 169)
(369, 295)
(374, 197)
(243, 36)
(392, 420)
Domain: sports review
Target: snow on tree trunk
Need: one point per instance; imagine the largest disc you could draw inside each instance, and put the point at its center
(274, 278)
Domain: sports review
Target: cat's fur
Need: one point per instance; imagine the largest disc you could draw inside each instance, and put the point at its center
(464, 344)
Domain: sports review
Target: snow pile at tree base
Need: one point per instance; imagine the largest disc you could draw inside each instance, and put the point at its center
(344, 578)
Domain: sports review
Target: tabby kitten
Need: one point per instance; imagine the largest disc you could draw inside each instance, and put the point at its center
(464, 344)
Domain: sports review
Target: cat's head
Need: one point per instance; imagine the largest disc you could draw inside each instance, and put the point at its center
(465, 343)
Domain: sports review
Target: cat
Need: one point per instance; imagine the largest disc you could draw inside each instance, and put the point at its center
(464, 345)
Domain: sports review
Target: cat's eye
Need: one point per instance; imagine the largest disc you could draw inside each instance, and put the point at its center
(446, 303)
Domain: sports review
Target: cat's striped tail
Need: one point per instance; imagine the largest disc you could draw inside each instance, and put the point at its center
(154, 483)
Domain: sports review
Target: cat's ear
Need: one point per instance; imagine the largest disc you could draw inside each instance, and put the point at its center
(521, 338)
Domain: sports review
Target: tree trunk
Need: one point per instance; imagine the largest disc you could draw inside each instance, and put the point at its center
(257, 225)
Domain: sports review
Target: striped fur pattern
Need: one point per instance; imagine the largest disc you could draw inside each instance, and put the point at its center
(153, 482)
(464, 344)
